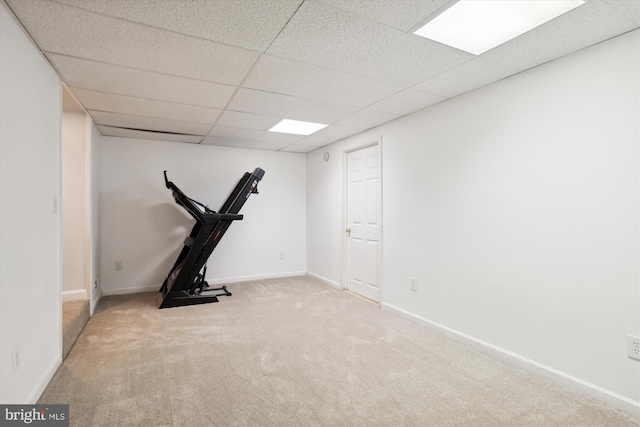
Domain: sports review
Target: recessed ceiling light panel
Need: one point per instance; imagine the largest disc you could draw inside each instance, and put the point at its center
(476, 26)
(297, 127)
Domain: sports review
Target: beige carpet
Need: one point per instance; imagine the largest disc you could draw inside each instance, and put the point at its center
(75, 315)
(294, 352)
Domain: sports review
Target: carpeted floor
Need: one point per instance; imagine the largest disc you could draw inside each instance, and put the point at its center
(75, 315)
(295, 352)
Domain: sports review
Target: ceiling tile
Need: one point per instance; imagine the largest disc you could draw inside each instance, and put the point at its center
(80, 33)
(289, 107)
(628, 8)
(402, 15)
(102, 101)
(242, 143)
(149, 123)
(298, 149)
(581, 27)
(294, 78)
(315, 141)
(85, 74)
(239, 119)
(138, 134)
(337, 132)
(366, 119)
(406, 102)
(326, 37)
(254, 135)
(468, 76)
(252, 24)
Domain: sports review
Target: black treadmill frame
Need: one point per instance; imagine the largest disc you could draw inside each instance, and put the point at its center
(185, 284)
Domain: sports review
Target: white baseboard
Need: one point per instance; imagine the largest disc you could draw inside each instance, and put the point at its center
(222, 281)
(256, 277)
(44, 381)
(132, 290)
(324, 280)
(74, 295)
(614, 399)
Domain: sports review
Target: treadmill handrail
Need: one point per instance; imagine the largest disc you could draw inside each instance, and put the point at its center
(231, 217)
(190, 204)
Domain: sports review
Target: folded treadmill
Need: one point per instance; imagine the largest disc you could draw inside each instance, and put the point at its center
(185, 284)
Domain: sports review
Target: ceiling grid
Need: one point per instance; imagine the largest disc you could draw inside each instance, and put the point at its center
(223, 72)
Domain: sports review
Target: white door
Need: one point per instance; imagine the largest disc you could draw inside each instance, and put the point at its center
(364, 250)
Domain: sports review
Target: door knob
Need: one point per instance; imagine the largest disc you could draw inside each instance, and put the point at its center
(348, 230)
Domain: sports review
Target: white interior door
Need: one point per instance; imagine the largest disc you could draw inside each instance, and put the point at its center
(364, 250)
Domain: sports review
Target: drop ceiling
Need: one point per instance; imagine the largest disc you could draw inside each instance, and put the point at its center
(222, 72)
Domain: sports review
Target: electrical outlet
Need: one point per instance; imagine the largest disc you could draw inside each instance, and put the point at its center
(413, 284)
(15, 359)
(118, 265)
(633, 347)
(281, 255)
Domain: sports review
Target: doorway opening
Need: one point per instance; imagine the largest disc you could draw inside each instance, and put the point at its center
(75, 220)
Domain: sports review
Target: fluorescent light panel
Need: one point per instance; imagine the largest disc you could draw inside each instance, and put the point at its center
(476, 26)
(297, 127)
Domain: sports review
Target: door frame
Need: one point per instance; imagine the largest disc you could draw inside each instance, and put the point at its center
(345, 215)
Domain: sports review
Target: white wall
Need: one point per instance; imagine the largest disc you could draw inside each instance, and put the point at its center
(30, 276)
(142, 226)
(74, 134)
(516, 207)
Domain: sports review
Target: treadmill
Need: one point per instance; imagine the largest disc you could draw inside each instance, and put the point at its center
(186, 284)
